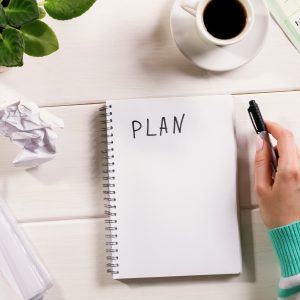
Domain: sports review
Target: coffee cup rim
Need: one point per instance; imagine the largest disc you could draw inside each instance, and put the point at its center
(223, 42)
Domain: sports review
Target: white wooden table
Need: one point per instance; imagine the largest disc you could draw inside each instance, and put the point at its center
(123, 49)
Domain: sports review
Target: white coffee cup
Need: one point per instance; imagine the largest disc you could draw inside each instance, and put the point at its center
(196, 8)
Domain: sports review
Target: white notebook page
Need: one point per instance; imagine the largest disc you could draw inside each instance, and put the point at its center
(176, 192)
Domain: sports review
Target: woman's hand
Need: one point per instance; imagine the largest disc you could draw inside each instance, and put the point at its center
(279, 199)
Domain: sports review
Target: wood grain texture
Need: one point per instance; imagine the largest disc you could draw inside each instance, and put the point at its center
(75, 255)
(123, 49)
(67, 187)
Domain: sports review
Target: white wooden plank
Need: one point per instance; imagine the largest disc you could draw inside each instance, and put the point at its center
(70, 185)
(75, 255)
(67, 187)
(283, 108)
(123, 49)
(272, 70)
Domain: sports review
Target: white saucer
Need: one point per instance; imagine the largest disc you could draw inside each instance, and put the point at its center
(218, 58)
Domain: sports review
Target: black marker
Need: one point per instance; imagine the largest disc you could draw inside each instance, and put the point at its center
(261, 129)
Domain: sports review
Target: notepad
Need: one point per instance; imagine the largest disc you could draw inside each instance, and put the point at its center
(170, 187)
(23, 276)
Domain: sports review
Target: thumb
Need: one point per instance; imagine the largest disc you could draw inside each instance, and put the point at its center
(263, 167)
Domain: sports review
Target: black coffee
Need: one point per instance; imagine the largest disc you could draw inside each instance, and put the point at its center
(224, 19)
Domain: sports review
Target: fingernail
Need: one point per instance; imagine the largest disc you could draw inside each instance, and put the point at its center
(259, 144)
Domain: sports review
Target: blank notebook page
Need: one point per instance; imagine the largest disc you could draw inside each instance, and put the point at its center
(175, 183)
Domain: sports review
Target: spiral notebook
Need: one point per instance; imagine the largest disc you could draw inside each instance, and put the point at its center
(170, 187)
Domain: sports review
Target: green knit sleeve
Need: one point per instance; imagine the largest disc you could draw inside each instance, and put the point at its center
(286, 242)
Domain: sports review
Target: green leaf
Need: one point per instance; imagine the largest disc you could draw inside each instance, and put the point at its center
(11, 48)
(42, 13)
(40, 39)
(20, 12)
(3, 21)
(67, 9)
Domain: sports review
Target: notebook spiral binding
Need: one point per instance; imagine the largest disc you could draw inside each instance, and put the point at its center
(109, 190)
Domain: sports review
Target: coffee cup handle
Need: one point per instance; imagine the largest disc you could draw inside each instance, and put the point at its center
(190, 6)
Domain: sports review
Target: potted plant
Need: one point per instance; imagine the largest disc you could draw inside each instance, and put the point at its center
(23, 31)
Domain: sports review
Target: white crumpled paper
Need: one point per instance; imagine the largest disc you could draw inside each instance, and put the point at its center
(31, 129)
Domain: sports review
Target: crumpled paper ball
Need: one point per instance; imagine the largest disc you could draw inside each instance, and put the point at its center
(32, 129)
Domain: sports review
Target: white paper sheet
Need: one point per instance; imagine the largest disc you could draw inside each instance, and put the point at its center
(176, 207)
(25, 277)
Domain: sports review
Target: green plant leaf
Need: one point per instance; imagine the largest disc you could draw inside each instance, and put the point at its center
(3, 21)
(67, 9)
(11, 48)
(40, 39)
(20, 12)
(42, 13)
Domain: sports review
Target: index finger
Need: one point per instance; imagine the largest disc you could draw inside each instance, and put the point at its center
(286, 146)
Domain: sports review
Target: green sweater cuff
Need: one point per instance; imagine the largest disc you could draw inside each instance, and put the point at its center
(286, 242)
